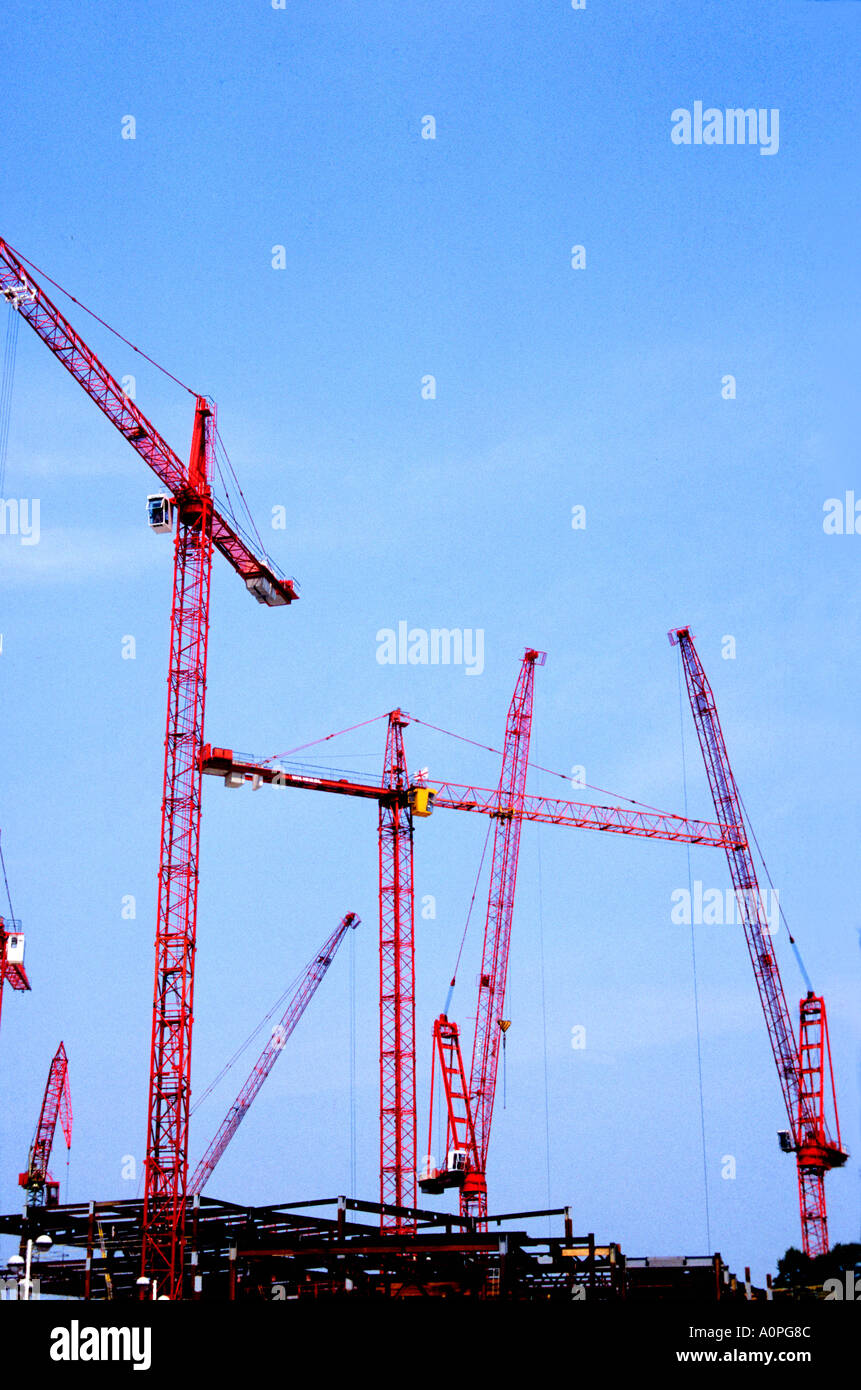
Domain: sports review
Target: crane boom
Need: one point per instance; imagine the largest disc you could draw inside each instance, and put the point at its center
(299, 1001)
(497, 931)
(461, 1156)
(56, 1104)
(805, 1117)
(237, 769)
(728, 809)
(20, 289)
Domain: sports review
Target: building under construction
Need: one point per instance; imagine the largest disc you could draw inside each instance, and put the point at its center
(334, 1249)
(176, 1243)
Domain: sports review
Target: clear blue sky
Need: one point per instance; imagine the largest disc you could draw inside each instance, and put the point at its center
(601, 387)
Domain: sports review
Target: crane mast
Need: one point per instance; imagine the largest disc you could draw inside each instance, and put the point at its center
(299, 1001)
(200, 528)
(40, 1187)
(814, 1156)
(397, 985)
(166, 1164)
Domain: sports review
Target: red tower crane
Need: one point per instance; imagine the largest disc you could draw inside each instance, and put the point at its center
(40, 1187)
(800, 1066)
(299, 1001)
(200, 528)
(400, 802)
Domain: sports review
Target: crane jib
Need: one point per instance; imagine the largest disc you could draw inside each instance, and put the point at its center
(21, 290)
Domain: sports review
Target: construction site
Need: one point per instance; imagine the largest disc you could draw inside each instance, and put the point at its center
(177, 1242)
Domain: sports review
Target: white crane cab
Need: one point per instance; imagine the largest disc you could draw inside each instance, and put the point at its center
(436, 1180)
(15, 948)
(159, 511)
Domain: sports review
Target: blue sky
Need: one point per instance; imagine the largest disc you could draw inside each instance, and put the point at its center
(555, 387)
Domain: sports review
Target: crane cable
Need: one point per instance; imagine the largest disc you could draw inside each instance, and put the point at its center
(544, 1021)
(353, 1192)
(468, 916)
(248, 1041)
(9, 358)
(537, 767)
(276, 757)
(116, 333)
(6, 880)
(795, 950)
(694, 969)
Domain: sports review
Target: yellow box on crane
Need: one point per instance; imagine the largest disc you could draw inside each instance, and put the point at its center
(421, 800)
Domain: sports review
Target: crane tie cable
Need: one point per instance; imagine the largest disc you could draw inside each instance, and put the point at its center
(6, 880)
(116, 333)
(537, 767)
(275, 757)
(468, 916)
(248, 1041)
(9, 358)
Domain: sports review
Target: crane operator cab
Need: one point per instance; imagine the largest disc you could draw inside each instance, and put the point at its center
(159, 511)
(15, 948)
(436, 1180)
(421, 796)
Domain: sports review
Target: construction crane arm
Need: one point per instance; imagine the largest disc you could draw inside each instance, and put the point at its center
(450, 796)
(801, 1065)
(20, 289)
(297, 1005)
(727, 804)
(500, 912)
